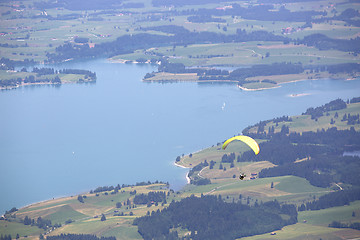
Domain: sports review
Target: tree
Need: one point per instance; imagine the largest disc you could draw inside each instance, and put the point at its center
(272, 185)
(103, 218)
(27, 220)
(68, 221)
(80, 199)
(118, 205)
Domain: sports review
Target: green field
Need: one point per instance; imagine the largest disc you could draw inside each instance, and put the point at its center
(300, 231)
(325, 216)
(14, 228)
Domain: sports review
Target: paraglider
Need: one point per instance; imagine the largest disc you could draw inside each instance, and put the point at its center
(248, 140)
(242, 176)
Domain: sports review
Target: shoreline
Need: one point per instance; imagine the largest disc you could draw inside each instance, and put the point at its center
(41, 84)
(187, 174)
(196, 81)
(44, 201)
(29, 84)
(256, 89)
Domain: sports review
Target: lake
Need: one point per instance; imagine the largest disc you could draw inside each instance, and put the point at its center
(58, 141)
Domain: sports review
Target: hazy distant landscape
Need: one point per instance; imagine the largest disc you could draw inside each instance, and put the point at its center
(303, 184)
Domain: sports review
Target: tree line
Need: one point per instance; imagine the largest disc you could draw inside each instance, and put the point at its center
(334, 199)
(7, 64)
(209, 217)
(256, 12)
(320, 171)
(317, 112)
(118, 186)
(5, 237)
(69, 236)
(336, 224)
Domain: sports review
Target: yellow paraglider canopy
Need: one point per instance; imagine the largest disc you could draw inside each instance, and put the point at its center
(248, 140)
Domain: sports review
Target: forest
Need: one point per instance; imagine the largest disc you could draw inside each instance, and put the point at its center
(210, 217)
(118, 186)
(150, 197)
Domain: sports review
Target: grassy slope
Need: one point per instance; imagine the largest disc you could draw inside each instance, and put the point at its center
(86, 216)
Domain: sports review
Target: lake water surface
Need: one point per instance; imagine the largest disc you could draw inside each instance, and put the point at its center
(57, 141)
